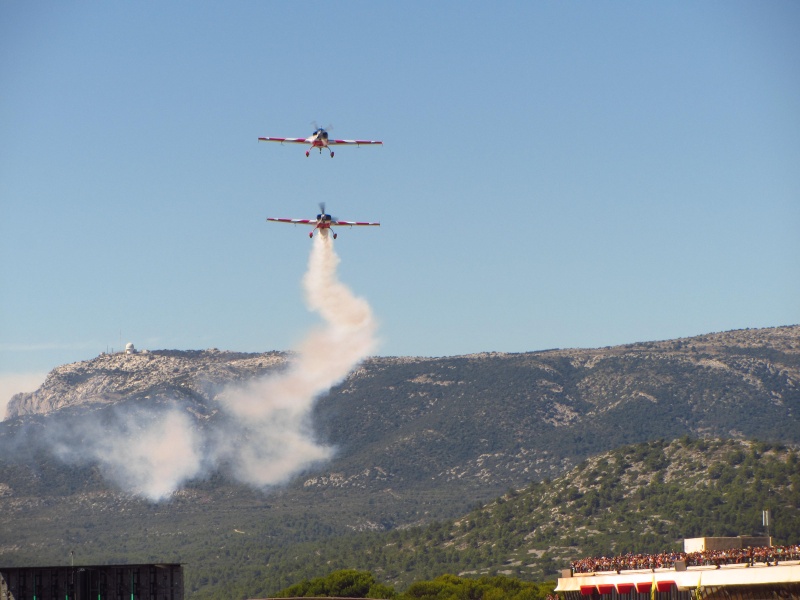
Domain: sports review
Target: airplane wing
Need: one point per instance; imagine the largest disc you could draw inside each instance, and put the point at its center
(286, 140)
(295, 221)
(354, 142)
(351, 223)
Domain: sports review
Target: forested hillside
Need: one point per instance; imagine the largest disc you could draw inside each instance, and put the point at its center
(642, 498)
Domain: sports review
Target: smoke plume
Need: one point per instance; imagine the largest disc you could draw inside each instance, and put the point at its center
(266, 434)
(274, 412)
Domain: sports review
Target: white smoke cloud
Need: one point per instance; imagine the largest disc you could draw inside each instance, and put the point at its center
(150, 455)
(266, 435)
(274, 412)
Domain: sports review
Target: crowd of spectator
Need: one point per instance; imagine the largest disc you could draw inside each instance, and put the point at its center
(769, 555)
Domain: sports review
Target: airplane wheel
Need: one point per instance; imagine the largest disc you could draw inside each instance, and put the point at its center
(311, 235)
(306, 154)
(331, 154)
(334, 235)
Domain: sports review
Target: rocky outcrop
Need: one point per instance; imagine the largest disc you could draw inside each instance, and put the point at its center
(111, 378)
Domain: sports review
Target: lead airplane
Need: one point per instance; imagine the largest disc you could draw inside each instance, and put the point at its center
(319, 139)
(323, 222)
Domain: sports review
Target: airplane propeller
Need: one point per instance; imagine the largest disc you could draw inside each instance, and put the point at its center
(322, 212)
(316, 127)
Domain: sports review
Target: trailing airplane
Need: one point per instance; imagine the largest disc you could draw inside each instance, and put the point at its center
(323, 222)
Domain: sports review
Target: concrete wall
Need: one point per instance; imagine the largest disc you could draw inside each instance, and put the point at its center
(724, 543)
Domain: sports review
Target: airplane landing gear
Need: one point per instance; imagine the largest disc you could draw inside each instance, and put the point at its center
(311, 235)
(334, 235)
(331, 153)
(306, 153)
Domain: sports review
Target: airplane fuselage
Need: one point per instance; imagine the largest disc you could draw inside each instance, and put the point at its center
(324, 225)
(319, 139)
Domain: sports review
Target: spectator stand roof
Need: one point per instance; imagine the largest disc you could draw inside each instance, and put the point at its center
(708, 580)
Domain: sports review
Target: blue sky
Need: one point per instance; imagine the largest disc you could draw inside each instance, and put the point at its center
(554, 174)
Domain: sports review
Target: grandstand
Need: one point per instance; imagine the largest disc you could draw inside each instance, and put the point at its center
(724, 569)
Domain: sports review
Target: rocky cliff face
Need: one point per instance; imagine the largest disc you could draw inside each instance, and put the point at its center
(110, 378)
(561, 387)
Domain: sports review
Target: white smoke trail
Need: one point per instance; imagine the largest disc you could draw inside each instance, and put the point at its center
(274, 413)
(266, 434)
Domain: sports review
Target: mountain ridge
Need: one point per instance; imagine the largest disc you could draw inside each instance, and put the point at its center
(476, 423)
(110, 377)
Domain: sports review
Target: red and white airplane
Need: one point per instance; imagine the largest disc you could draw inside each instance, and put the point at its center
(318, 139)
(323, 222)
